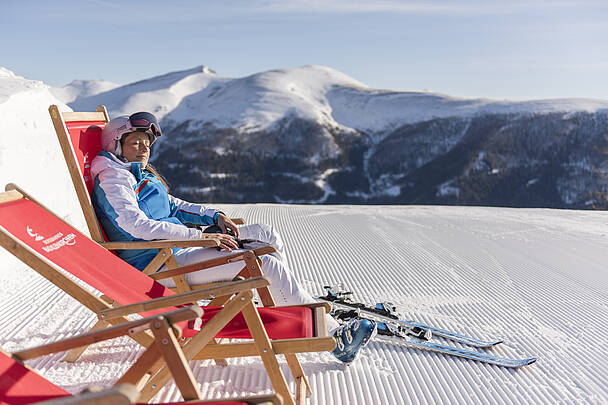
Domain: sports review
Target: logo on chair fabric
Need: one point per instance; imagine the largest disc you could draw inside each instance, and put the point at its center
(34, 234)
(54, 242)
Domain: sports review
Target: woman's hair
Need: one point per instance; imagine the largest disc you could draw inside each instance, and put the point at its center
(155, 172)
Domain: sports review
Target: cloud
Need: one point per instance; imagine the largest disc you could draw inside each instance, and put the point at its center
(471, 7)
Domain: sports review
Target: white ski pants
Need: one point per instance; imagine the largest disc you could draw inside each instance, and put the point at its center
(285, 289)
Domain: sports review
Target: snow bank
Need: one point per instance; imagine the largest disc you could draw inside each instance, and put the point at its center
(29, 151)
(30, 155)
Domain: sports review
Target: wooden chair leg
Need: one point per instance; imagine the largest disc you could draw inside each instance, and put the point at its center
(160, 259)
(180, 282)
(302, 387)
(199, 341)
(175, 360)
(74, 354)
(266, 352)
(218, 362)
(142, 370)
(165, 256)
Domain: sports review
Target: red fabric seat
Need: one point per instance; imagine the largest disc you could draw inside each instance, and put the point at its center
(281, 323)
(19, 385)
(75, 253)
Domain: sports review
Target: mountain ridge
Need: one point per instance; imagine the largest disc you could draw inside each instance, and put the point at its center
(314, 135)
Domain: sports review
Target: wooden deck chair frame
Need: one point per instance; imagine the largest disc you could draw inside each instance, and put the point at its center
(165, 348)
(127, 394)
(240, 300)
(251, 267)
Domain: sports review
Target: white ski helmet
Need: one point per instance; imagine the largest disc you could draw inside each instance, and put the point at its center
(125, 124)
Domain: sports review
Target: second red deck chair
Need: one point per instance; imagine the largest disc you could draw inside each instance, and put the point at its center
(21, 385)
(50, 246)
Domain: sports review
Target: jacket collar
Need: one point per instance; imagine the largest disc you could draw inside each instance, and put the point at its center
(133, 167)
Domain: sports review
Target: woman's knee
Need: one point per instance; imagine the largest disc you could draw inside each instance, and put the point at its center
(272, 267)
(265, 233)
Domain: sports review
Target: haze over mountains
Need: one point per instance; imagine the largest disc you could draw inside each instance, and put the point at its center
(314, 135)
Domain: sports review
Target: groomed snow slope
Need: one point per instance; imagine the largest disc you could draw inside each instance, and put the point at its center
(537, 278)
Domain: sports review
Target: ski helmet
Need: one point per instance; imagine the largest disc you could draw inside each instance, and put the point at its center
(125, 124)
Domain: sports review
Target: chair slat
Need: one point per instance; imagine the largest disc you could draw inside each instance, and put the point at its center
(83, 116)
(10, 195)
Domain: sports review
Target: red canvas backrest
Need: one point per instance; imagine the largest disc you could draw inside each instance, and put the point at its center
(20, 385)
(85, 137)
(79, 136)
(75, 253)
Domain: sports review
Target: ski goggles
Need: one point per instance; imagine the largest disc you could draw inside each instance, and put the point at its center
(143, 122)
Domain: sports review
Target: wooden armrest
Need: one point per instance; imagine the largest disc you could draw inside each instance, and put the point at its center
(127, 328)
(210, 263)
(229, 288)
(159, 244)
(122, 394)
(274, 399)
(325, 305)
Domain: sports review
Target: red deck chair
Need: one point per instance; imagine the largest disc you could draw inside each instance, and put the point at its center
(48, 245)
(79, 136)
(20, 385)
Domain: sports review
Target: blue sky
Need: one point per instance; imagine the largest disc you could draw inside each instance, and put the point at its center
(508, 49)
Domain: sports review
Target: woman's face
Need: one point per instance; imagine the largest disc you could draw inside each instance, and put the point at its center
(136, 148)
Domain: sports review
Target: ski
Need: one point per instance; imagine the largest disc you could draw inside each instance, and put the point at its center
(412, 334)
(413, 342)
(383, 313)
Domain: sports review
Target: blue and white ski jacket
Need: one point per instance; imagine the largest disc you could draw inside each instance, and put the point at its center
(133, 205)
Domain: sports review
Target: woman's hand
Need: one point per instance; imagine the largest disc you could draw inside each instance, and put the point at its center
(226, 224)
(227, 242)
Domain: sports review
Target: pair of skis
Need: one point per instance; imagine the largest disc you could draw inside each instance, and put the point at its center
(415, 334)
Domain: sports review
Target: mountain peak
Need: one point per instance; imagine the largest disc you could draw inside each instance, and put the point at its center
(206, 69)
(4, 72)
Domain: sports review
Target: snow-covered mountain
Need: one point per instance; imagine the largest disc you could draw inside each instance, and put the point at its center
(313, 134)
(81, 89)
(317, 93)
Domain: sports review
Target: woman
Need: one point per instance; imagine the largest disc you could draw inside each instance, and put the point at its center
(132, 203)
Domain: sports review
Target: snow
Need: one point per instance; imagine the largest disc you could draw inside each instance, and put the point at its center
(313, 92)
(446, 189)
(376, 110)
(81, 89)
(29, 150)
(536, 278)
(159, 95)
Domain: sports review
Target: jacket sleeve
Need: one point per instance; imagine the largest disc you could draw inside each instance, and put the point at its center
(117, 185)
(187, 212)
